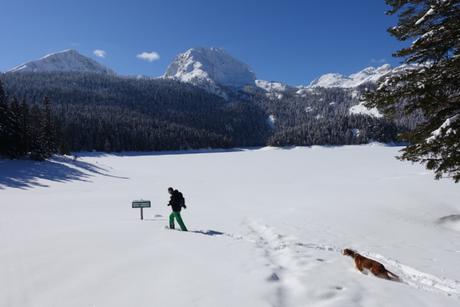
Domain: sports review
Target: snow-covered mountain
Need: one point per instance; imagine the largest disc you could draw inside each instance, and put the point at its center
(210, 68)
(216, 71)
(367, 75)
(277, 90)
(66, 61)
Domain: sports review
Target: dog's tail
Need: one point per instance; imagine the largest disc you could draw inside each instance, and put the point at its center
(393, 276)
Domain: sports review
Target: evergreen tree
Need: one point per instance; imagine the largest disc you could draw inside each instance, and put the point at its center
(48, 129)
(24, 121)
(7, 127)
(3, 121)
(38, 149)
(17, 135)
(428, 84)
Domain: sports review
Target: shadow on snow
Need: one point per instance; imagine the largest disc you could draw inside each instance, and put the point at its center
(25, 174)
(211, 233)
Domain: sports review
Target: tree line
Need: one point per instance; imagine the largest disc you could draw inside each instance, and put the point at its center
(105, 113)
(341, 130)
(109, 113)
(28, 130)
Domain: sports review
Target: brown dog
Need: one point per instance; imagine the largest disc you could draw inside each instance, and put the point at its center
(375, 267)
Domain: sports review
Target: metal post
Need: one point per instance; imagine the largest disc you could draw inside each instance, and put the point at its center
(142, 213)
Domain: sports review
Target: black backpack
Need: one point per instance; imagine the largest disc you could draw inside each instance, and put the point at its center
(180, 198)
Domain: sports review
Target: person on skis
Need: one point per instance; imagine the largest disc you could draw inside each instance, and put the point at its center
(177, 202)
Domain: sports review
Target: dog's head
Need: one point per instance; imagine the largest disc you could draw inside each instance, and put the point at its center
(348, 252)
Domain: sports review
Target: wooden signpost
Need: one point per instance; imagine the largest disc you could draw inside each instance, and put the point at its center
(141, 204)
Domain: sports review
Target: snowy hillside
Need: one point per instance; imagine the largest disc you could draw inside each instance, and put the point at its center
(278, 90)
(67, 60)
(273, 89)
(362, 109)
(266, 229)
(210, 68)
(367, 75)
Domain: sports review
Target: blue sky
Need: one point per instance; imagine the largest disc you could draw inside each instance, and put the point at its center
(292, 41)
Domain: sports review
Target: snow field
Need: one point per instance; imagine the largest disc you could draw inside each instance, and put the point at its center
(267, 229)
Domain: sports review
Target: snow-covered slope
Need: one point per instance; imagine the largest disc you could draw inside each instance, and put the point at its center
(330, 80)
(277, 90)
(367, 75)
(210, 68)
(66, 61)
(273, 89)
(266, 229)
(362, 109)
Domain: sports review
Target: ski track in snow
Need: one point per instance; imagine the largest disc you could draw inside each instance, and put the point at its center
(285, 254)
(421, 280)
(286, 259)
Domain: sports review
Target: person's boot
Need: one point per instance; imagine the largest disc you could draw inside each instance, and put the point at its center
(171, 221)
(180, 222)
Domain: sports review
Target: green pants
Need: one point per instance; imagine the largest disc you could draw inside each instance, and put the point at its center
(177, 216)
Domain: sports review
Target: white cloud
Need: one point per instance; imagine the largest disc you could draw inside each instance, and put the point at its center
(148, 56)
(100, 53)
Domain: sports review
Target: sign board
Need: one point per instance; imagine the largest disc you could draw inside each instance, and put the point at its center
(141, 204)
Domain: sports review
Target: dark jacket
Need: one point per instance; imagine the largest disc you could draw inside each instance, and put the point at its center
(177, 201)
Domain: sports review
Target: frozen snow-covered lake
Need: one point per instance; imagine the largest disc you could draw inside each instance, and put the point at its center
(267, 227)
